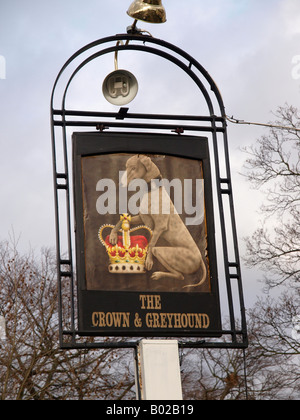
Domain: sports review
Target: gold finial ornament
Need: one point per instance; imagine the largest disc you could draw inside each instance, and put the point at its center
(151, 11)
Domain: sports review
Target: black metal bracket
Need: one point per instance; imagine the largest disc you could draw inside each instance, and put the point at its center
(213, 123)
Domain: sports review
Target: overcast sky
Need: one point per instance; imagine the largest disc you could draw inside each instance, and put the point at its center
(248, 47)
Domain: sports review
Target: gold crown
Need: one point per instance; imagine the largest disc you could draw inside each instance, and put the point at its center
(129, 254)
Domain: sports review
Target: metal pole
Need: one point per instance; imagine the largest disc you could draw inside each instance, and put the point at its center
(158, 371)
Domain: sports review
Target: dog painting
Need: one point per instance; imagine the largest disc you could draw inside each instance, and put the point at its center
(180, 256)
(162, 193)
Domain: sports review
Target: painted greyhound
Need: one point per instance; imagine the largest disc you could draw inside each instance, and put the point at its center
(182, 256)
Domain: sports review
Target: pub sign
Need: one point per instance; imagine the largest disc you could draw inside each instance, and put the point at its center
(145, 243)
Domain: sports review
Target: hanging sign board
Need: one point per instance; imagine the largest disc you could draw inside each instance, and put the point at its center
(146, 258)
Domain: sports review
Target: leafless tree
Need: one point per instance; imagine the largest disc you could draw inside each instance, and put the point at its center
(31, 364)
(33, 367)
(268, 370)
(273, 166)
(272, 360)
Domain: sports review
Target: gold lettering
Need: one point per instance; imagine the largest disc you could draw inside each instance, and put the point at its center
(169, 320)
(198, 319)
(150, 302)
(111, 319)
(101, 319)
(157, 302)
(117, 319)
(170, 316)
(177, 319)
(143, 299)
(206, 321)
(95, 319)
(149, 321)
(152, 319)
(163, 323)
(156, 323)
(191, 320)
(126, 320)
(184, 321)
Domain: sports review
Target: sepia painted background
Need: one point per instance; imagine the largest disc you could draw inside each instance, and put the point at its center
(95, 168)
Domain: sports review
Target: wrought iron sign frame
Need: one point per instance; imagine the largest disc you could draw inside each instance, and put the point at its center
(212, 125)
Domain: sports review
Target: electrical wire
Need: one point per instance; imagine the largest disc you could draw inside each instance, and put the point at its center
(242, 122)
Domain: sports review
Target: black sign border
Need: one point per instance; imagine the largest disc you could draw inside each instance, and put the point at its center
(89, 302)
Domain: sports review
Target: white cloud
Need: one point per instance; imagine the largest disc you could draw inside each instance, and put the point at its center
(290, 10)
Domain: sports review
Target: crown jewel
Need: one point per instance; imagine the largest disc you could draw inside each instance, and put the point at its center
(129, 254)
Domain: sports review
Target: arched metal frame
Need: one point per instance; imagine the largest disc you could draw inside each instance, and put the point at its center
(214, 122)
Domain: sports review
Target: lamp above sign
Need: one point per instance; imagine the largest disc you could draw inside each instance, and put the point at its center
(120, 87)
(151, 11)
